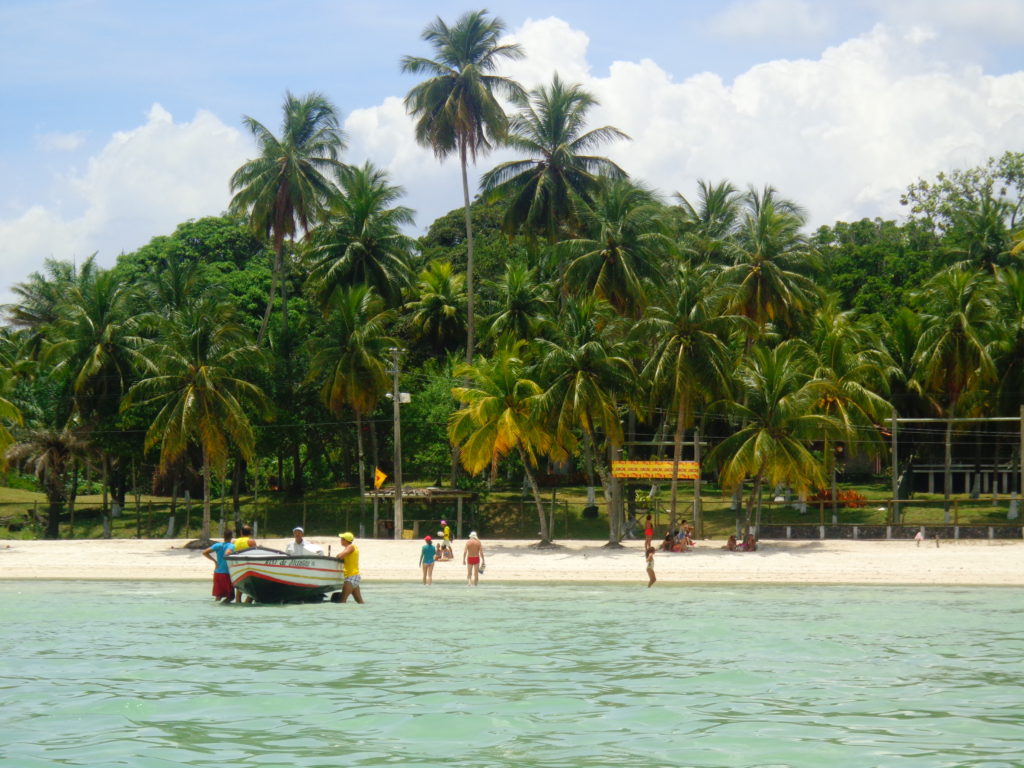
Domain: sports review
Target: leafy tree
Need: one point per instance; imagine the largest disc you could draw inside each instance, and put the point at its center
(618, 248)
(438, 313)
(457, 108)
(48, 454)
(777, 407)
(710, 223)
(362, 239)
(350, 361)
(523, 310)
(953, 353)
(687, 335)
(543, 193)
(199, 377)
(287, 186)
(499, 416)
(588, 374)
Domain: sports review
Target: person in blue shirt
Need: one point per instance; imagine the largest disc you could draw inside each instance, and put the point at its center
(427, 555)
(222, 589)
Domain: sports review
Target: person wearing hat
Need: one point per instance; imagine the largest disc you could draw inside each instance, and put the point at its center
(473, 559)
(446, 531)
(427, 555)
(300, 546)
(349, 555)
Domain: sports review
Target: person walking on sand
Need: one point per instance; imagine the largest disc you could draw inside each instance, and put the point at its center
(349, 555)
(649, 556)
(473, 558)
(648, 531)
(427, 555)
(222, 589)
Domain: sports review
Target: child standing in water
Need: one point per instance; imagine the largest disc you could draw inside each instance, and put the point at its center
(649, 556)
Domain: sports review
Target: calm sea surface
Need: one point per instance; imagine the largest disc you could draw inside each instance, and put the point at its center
(155, 674)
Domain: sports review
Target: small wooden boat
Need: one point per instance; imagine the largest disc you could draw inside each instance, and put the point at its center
(271, 576)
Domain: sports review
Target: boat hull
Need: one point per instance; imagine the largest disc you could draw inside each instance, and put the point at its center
(274, 577)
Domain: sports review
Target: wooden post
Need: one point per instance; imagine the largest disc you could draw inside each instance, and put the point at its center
(698, 506)
(458, 519)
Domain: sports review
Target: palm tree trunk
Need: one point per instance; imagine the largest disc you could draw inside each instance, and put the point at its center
(237, 478)
(948, 469)
(677, 456)
(270, 305)
(283, 279)
(545, 537)
(72, 496)
(470, 317)
(362, 465)
(205, 535)
(754, 494)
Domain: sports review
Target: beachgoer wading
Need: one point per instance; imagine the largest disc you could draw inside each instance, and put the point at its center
(473, 558)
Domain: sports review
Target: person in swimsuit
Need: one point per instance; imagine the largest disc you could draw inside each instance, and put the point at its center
(349, 555)
(649, 556)
(648, 531)
(473, 558)
(427, 555)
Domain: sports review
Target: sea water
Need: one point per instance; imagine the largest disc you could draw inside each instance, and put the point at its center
(156, 674)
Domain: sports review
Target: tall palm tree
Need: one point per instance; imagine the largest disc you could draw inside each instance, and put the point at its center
(854, 372)
(48, 454)
(500, 416)
(362, 241)
(710, 223)
(588, 374)
(438, 311)
(953, 351)
(200, 377)
(523, 311)
(288, 186)
(457, 108)
(618, 247)
(687, 335)
(544, 191)
(350, 361)
(771, 262)
(778, 409)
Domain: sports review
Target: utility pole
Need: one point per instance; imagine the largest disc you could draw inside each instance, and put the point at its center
(396, 397)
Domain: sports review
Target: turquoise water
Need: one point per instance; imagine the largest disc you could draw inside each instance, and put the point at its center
(155, 674)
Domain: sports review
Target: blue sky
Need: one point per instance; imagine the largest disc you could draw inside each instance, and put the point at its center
(120, 119)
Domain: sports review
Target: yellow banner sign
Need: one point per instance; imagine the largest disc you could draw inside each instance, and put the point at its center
(655, 470)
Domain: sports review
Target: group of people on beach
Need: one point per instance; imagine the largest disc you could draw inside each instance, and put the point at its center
(223, 591)
(472, 555)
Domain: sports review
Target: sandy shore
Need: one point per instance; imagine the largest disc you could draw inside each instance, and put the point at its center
(780, 562)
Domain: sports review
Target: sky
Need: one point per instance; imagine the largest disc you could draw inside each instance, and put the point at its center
(121, 119)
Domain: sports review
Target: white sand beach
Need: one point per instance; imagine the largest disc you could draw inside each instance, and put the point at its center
(968, 562)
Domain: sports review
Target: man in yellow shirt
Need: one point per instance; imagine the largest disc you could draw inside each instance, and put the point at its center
(349, 555)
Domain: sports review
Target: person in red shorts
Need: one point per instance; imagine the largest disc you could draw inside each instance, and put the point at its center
(222, 589)
(473, 559)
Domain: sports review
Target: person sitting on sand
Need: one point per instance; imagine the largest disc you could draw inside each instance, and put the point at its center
(749, 543)
(731, 544)
(670, 539)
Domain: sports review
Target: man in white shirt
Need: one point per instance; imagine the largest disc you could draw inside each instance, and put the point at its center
(300, 546)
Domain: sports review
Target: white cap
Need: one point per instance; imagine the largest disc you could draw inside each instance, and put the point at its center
(298, 528)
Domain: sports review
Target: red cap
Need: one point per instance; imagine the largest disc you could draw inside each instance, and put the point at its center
(427, 538)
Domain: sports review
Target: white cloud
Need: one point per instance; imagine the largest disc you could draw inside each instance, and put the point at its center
(60, 142)
(143, 183)
(759, 19)
(986, 20)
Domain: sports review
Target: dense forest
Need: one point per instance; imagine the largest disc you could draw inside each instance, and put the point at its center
(561, 314)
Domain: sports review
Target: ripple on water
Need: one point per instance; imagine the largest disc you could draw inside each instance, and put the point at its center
(513, 675)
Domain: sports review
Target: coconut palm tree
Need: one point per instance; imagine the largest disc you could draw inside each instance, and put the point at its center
(350, 360)
(710, 223)
(854, 372)
(618, 247)
(954, 354)
(777, 406)
(48, 454)
(438, 313)
(288, 186)
(362, 241)
(524, 310)
(771, 262)
(499, 416)
(457, 109)
(543, 192)
(199, 375)
(686, 335)
(588, 374)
